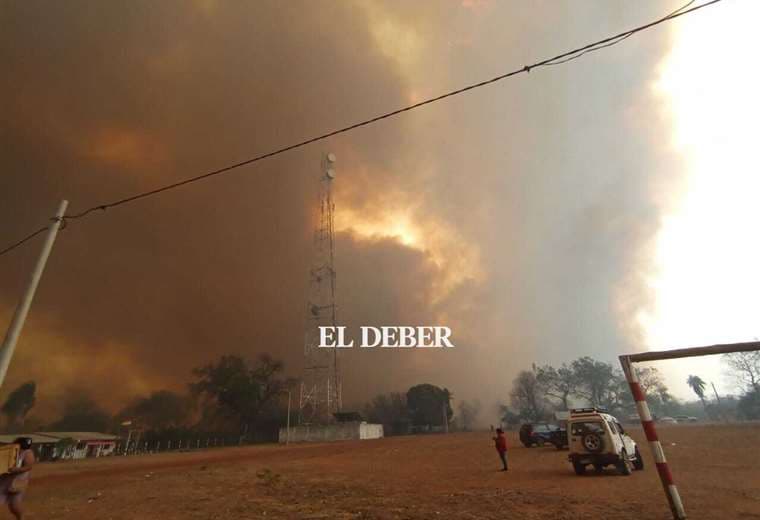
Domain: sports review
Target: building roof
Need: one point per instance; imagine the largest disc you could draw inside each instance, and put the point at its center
(80, 436)
(36, 438)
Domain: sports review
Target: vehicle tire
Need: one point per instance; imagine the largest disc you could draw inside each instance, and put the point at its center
(624, 465)
(580, 469)
(598, 468)
(593, 442)
(638, 462)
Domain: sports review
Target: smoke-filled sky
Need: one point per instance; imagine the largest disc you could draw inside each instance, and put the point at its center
(542, 218)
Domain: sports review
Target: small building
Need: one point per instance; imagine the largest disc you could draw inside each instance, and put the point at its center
(348, 426)
(43, 446)
(83, 444)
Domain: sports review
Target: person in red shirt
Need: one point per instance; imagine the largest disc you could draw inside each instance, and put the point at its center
(501, 446)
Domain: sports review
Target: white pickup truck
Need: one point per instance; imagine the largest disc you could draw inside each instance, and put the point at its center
(596, 438)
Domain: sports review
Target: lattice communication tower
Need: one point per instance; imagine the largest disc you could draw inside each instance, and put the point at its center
(320, 392)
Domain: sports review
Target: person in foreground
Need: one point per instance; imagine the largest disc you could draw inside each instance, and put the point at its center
(14, 483)
(501, 446)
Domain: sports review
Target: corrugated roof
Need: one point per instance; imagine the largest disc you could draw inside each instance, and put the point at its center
(36, 438)
(80, 436)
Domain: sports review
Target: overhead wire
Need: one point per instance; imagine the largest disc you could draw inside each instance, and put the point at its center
(617, 39)
(23, 240)
(556, 60)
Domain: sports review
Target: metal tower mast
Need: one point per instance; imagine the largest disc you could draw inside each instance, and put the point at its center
(320, 394)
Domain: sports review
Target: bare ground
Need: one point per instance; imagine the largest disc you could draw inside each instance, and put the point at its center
(717, 469)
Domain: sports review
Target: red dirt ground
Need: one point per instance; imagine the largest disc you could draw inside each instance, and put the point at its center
(717, 469)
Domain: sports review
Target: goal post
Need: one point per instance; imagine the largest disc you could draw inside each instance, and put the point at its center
(647, 423)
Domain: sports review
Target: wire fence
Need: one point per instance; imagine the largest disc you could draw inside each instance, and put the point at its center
(143, 447)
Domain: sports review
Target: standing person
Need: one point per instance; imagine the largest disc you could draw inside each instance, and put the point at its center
(501, 446)
(14, 483)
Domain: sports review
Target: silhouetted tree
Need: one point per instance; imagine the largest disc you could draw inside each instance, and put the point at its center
(599, 383)
(697, 384)
(658, 396)
(391, 411)
(745, 369)
(82, 414)
(749, 406)
(426, 405)
(160, 410)
(528, 397)
(558, 383)
(19, 403)
(240, 390)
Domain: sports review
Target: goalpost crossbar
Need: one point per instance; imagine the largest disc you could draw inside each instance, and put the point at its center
(647, 423)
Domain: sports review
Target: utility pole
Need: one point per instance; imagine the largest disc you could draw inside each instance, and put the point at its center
(19, 317)
(445, 418)
(717, 397)
(720, 403)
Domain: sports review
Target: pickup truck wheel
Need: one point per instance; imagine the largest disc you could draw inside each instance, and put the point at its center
(624, 464)
(638, 462)
(580, 469)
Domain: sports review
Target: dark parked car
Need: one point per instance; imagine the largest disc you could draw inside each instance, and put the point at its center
(538, 434)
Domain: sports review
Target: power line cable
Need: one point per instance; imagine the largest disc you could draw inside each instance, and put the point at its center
(556, 60)
(23, 240)
(616, 39)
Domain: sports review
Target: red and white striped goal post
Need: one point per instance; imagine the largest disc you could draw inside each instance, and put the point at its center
(666, 477)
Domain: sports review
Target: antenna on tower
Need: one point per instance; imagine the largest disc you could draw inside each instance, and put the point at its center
(320, 395)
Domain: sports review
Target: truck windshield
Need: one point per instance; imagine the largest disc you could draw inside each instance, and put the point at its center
(581, 428)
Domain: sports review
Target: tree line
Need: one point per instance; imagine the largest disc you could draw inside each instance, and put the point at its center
(745, 370)
(228, 397)
(539, 392)
(247, 400)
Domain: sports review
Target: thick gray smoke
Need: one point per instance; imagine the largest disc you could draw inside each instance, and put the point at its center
(517, 214)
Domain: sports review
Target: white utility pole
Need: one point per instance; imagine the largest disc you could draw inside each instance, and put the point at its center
(17, 323)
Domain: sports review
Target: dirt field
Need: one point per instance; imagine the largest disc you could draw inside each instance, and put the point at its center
(424, 477)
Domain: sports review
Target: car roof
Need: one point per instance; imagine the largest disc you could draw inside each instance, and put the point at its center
(592, 415)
